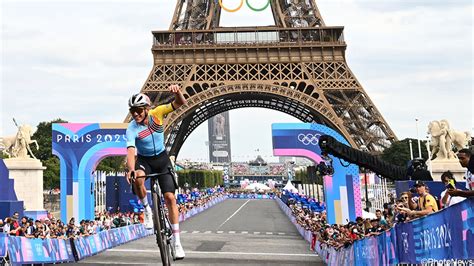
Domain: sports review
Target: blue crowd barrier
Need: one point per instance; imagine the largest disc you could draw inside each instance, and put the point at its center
(250, 196)
(3, 245)
(194, 211)
(22, 250)
(445, 235)
(91, 245)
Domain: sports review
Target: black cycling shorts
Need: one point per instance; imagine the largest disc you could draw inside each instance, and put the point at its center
(156, 165)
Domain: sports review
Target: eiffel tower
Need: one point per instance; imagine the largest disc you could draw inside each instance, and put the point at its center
(297, 67)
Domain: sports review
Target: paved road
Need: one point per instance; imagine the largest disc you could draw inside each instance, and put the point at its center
(236, 231)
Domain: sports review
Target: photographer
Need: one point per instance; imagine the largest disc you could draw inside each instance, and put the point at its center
(450, 183)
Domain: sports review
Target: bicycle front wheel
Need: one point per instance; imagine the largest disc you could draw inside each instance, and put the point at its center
(158, 221)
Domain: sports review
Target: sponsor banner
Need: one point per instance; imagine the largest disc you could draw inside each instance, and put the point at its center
(24, 250)
(219, 138)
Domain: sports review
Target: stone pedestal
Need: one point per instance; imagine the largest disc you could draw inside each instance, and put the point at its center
(28, 176)
(453, 165)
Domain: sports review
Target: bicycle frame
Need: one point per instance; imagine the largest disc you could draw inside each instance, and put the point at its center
(161, 222)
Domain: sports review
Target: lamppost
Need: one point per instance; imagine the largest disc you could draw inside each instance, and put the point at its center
(367, 203)
(418, 138)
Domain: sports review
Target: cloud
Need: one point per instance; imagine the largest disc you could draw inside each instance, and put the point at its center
(81, 60)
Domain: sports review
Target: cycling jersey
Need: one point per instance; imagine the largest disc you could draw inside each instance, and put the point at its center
(149, 140)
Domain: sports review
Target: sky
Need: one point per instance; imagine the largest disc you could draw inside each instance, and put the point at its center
(80, 60)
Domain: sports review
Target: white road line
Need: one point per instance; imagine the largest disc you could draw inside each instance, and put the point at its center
(207, 232)
(244, 232)
(183, 232)
(220, 232)
(269, 233)
(256, 233)
(195, 232)
(281, 233)
(216, 252)
(231, 232)
(233, 214)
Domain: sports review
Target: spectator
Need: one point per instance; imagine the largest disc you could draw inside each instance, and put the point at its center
(14, 225)
(426, 202)
(450, 183)
(465, 159)
(381, 219)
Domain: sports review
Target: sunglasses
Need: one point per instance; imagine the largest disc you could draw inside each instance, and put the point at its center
(137, 110)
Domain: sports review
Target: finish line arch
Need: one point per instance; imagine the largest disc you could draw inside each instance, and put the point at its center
(342, 189)
(80, 147)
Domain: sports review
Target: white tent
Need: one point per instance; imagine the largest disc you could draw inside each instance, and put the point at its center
(369, 215)
(257, 186)
(290, 187)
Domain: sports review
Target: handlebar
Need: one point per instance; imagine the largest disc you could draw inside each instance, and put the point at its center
(154, 175)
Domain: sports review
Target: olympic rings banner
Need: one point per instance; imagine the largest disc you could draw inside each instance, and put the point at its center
(252, 7)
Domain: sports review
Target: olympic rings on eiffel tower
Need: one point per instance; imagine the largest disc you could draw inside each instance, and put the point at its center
(241, 4)
(257, 9)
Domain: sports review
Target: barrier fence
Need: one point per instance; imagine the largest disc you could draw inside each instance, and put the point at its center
(250, 196)
(443, 236)
(194, 211)
(22, 250)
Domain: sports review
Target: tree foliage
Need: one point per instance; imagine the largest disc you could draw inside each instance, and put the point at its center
(200, 178)
(399, 152)
(112, 164)
(43, 136)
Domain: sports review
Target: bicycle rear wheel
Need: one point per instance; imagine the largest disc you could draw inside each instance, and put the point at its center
(158, 221)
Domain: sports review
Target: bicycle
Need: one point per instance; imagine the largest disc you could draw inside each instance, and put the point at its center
(161, 222)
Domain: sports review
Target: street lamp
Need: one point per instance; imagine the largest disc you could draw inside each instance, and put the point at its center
(417, 137)
(367, 203)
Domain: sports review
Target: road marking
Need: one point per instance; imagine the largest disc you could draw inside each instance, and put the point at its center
(269, 233)
(220, 232)
(183, 232)
(231, 232)
(233, 214)
(281, 233)
(216, 252)
(256, 233)
(244, 232)
(195, 232)
(207, 232)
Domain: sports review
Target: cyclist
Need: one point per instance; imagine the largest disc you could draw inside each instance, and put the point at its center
(145, 138)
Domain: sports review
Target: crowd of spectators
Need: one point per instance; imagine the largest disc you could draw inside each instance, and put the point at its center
(51, 227)
(412, 204)
(195, 198)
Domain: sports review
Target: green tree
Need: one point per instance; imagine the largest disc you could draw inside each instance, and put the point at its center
(51, 176)
(43, 136)
(399, 152)
(112, 164)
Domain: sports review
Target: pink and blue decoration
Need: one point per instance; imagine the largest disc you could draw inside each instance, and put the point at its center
(342, 189)
(80, 147)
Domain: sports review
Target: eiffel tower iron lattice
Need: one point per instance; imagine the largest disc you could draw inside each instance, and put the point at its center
(297, 67)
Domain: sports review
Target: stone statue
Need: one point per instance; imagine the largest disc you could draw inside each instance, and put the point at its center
(444, 139)
(18, 146)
